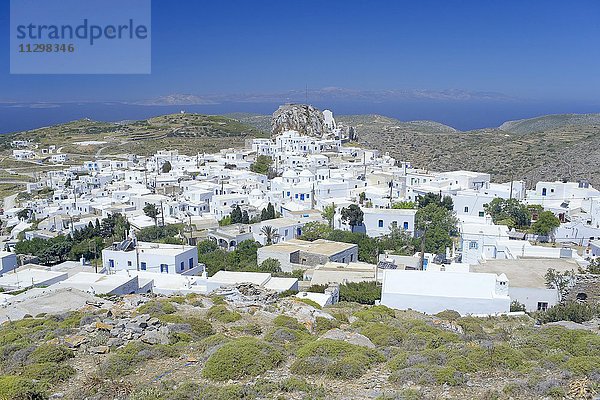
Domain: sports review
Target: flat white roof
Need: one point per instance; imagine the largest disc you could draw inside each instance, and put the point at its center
(280, 284)
(100, 283)
(234, 277)
(29, 277)
(439, 284)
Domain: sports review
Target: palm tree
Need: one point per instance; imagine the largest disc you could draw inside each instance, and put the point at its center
(270, 233)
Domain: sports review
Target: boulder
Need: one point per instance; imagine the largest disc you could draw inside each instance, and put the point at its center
(349, 337)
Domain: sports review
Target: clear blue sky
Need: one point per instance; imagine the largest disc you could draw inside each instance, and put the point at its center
(540, 49)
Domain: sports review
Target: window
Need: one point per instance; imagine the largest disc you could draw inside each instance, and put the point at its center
(351, 257)
(543, 191)
(296, 195)
(473, 245)
(164, 268)
(288, 193)
(466, 209)
(129, 263)
(542, 306)
(380, 223)
(143, 266)
(481, 214)
(111, 263)
(182, 266)
(405, 226)
(191, 263)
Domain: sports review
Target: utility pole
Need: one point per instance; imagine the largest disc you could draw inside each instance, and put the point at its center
(332, 216)
(422, 263)
(365, 165)
(162, 213)
(511, 188)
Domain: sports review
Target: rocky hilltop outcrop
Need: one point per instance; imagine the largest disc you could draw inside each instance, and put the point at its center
(303, 118)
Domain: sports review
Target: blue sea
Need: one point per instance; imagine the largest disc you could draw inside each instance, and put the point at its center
(462, 115)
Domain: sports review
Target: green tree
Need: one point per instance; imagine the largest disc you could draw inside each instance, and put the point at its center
(270, 265)
(226, 220)
(270, 234)
(207, 246)
(262, 165)
(353, 215)
(150, 210)
(508, 212)
(329, 213)
(271, 211)
(315, 230)
(437, 224)
(593, 267)
(24, 214)
(361, 197)
(546, 223)
(268, 213)
(559, 281)
(236, 215)
(245, 217)
(433, 198)
(399, 241)
(404, 205)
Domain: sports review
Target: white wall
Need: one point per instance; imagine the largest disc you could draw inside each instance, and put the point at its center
(531, 296)
(433, 305)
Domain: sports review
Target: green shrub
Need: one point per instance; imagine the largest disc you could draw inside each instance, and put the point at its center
(288, 293)
(244, 357)
(449, 315)
(249, 329)
(570, 311)
(583, 365)
(49, 353)
(317, 288)
(399, 361)
(50, 372)
(177, 299)
(123, 361)
(310, 302)
(323, 324)
(222, 314)
(383, 334)
(515, 306)
(284, 335)
(17, 388)
(360, 292)
(375, 314)
(218, 300)
(157, 308)
(200, 327)
(288, 322)
(471, 326)
(335, 358)
(448, 375)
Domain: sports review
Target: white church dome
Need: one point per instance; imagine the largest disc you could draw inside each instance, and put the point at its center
(306, 173)
(290, 173)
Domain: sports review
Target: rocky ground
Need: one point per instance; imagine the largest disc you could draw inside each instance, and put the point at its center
(247, 343)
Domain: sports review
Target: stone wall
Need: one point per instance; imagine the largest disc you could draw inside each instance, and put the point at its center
(586, 288)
